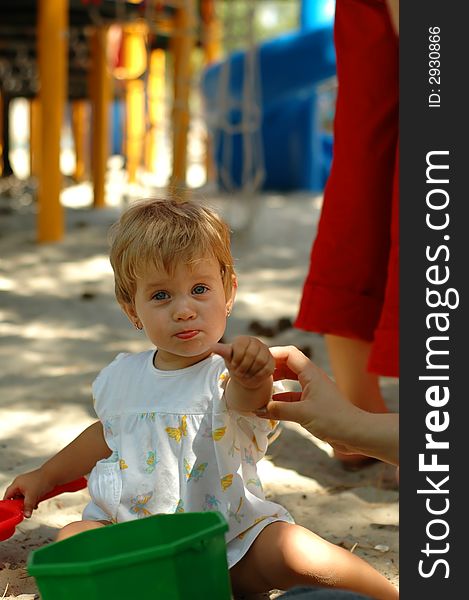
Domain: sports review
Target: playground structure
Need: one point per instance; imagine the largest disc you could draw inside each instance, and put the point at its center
(263, 108)
(124, 54)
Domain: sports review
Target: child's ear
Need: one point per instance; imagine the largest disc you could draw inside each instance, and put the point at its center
(231, 298)
(131, 313)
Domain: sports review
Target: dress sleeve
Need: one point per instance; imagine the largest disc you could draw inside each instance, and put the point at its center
(253, 433)
(259, 430)
(102, 384)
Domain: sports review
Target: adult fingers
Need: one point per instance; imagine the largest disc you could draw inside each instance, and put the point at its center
(290, 361)
(282, 411)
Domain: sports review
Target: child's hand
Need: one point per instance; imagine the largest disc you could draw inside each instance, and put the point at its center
(248, 360)
(33, 486)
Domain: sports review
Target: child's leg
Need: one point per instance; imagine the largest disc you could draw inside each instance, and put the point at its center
(78, 527)
(284, 556)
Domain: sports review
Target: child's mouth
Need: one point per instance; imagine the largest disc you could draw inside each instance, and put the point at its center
(187, 335)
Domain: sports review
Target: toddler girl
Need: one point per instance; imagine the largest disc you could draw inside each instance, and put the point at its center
(176, 428)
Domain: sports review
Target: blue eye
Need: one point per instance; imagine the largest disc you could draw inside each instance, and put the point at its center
(199, 289)
(160, 295)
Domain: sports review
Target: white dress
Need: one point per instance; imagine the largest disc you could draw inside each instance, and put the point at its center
(177, 448)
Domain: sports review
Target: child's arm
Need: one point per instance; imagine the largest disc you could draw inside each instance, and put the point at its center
(73, 461)
(251, 367)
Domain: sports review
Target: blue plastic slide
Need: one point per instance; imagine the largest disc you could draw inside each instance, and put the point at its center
(280, 127)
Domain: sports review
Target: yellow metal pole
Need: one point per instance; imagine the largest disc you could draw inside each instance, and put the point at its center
(34, 137)
(52, 63)
(135, 62)
(183, 44)
(211, 32)
(100, 88)
(79, 132)
(156, 94)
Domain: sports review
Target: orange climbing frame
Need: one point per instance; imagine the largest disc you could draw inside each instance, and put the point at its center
(100, 93)
(183, 43)
(52, 63)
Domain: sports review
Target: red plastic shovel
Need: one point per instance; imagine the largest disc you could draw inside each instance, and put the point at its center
(11, 511)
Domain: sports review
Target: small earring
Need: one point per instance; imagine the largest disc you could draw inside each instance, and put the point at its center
(228, 312)
(138, 325)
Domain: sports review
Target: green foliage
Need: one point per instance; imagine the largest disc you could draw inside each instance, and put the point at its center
(269, 19)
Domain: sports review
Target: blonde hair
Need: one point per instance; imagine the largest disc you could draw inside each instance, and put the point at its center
(165, 233)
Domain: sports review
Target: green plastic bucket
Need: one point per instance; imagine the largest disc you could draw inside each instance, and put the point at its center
(166, 557)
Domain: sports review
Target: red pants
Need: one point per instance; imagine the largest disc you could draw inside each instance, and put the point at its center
(352, 288)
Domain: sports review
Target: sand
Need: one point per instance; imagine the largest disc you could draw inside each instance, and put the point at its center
(60, 325)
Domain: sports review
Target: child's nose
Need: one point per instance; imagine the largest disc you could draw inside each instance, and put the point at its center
(184, 310)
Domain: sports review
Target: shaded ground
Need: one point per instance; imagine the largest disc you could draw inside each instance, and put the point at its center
(60, 325)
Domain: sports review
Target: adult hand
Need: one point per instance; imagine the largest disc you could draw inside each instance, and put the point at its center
(322, 409)
(319, 407)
